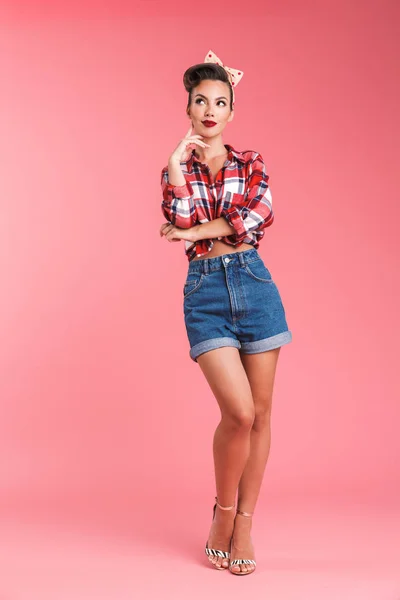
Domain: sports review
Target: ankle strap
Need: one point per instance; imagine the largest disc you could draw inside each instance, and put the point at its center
(224, 507)
(245, 514)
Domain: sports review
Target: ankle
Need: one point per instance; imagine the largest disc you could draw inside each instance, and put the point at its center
(224, 507)
(244, 516)
(242, 523)
(225, 515)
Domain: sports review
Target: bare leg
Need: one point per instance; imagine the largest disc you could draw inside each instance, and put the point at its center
(260, 369)
(228, 381)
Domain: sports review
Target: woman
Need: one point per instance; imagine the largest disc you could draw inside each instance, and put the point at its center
(218, 201)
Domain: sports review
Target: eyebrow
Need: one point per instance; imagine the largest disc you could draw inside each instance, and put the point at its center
(219, 97)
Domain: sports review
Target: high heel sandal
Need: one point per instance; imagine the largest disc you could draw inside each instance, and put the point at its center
(242, 561)
(212, 551)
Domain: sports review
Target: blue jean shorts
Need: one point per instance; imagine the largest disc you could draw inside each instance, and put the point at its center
(231, 300)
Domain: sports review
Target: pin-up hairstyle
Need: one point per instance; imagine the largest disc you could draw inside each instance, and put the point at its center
(197, 73)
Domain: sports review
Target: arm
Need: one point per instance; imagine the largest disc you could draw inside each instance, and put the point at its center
(257, 211)
(178, 203)
(212, 229)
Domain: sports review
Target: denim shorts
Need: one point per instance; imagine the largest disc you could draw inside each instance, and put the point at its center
(231, 300)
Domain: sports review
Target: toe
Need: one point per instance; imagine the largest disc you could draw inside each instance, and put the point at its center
(235, 568)
(244, 568)
(225, 563)
(219, 561)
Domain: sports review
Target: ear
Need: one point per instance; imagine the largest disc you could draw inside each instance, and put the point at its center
(231, 116)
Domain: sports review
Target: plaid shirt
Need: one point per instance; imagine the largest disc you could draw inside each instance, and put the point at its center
(240, 193)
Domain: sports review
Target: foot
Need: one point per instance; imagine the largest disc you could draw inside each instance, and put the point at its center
(242, 546)
(220, 535)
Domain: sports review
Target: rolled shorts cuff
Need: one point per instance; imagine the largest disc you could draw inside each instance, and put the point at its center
(212, 344)
(269, 343)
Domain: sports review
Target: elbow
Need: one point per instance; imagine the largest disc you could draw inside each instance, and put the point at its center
(183, 223)
(166, 211)
(259, 218)
(245, 226)
(236, 221)
(267, 221)
(176, 219)
(179, 208)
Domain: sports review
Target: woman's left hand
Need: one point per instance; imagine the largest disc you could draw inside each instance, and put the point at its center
(176, 234)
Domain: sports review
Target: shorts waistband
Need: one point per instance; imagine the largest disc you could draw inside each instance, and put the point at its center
(206, 265)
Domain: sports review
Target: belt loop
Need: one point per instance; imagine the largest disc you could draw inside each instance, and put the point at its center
(241, 258)
(206, 266)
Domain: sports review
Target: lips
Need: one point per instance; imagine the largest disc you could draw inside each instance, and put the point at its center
(209, 123)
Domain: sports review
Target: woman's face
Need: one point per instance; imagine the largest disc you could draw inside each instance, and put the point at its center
(210, 101)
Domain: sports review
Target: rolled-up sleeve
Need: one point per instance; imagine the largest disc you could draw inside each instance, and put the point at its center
(256, 212)
(178, 202)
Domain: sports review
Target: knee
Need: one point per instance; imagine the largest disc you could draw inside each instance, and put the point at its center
(262, 415)
(240, 420)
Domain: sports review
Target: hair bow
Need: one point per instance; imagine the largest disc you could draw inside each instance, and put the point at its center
(234, 75)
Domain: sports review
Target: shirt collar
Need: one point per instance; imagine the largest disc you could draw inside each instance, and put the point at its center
(232, 155)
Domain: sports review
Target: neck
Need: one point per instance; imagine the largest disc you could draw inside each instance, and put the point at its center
(215, 150)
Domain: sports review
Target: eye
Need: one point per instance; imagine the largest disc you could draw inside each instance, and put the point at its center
(201, 100)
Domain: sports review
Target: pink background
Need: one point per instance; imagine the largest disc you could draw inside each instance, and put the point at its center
(105, 420)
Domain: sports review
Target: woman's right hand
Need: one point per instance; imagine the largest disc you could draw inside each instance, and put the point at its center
(185, 146)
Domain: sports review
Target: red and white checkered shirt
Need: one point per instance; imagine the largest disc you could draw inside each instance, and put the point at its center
(240, 193)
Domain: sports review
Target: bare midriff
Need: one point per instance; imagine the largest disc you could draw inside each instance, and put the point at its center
(222, 248)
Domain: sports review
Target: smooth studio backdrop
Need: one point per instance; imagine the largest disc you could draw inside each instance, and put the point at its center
(103, 413)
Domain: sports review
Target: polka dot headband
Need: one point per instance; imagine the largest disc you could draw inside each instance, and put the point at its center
(234, 75)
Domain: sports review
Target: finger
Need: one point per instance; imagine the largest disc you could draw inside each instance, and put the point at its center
(200, 143)
(166, 229)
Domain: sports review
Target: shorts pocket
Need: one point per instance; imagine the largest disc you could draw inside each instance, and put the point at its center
(192, 283)
(258, 271)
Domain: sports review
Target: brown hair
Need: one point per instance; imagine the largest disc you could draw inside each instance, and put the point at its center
(196, 73)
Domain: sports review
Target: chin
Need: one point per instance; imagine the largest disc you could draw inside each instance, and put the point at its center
(213, 130)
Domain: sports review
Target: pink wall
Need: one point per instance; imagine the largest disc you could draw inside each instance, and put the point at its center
(98, 394)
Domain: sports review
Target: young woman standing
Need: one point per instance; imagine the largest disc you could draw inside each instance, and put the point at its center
(218, 201)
